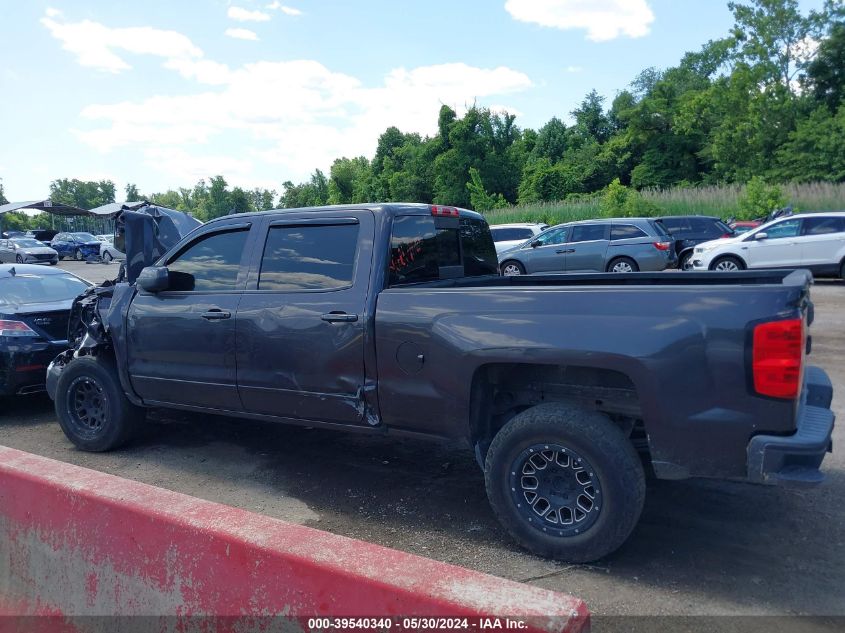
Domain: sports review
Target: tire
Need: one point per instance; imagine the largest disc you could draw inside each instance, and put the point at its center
(512, 268)
(613, 471)
(91, 407)
(727, 263)
(107, 257)
(54, 263)
(622, 265)
(77, 255)
(842, 270)
(19, 259)
(685, 263)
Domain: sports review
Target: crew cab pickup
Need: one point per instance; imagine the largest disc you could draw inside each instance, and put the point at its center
(393, 319)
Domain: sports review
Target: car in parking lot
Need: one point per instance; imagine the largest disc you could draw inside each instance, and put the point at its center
(25, 250)
(35, 304)
(689, 230)
(743, 226)
(109, 253)
(78, 245)
(507, 236)
(616, 245)
(815, 241)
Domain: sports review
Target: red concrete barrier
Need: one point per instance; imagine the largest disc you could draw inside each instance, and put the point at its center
(75, 542)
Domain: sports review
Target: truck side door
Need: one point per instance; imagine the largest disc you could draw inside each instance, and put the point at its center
(301, 322)
(181, 341)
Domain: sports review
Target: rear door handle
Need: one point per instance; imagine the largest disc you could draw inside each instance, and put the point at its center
(568, 250)
(339, 317)
(216, 314)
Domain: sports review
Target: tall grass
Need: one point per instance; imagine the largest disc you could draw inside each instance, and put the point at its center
(717, 200)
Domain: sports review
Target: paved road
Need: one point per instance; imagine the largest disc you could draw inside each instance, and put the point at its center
(702, 547)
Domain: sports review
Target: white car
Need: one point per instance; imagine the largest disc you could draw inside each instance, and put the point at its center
(812, 240)
(506, 236)
(108, 252)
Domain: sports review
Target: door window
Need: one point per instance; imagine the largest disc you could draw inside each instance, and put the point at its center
(626, 232)
(555, 236)
(823, 226)
(319, 257)
(511, 234)
(789, 228)
(211, 263)
(588, 233)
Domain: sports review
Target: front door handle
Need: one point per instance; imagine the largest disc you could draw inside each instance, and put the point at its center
(216, 314)
(339, 317)
(568, 250)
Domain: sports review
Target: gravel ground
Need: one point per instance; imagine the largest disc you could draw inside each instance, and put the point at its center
(702, 547)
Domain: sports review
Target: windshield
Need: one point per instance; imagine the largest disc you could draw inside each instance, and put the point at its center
(32, 288)
(27, 243)
(84, 237)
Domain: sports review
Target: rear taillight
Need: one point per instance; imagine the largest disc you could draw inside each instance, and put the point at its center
(777, 358)
(662, 246)
(16, 328)
(447, 211)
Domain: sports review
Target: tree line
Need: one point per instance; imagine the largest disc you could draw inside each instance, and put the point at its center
(762, 104)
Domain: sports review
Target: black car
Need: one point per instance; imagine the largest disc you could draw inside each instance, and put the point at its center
(34, 308)
(690, 230)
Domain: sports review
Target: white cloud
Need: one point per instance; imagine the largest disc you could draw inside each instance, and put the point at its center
(306, 116)
(94, 44)
(602, 19)
(278, 6)
(574, 69)
(240, 14)
(52, 13)
(242, 34)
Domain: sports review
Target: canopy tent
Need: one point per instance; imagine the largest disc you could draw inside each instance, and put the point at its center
(43, 205)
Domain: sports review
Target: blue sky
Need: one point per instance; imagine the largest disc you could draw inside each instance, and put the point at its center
(162, 93)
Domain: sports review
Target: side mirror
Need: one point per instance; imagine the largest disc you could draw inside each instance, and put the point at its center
(154, 279)
(761, 236)
(536, 243)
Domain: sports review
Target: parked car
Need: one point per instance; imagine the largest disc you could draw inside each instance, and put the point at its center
(34, 307)
(815, 241)
(7, 234)
(80, 246)
(619, 246)
(105, 238)
(507, 236)
(44, 236)
(25, 250)
(743, 226)
(108, 252)
(689, 230)
(394, 322)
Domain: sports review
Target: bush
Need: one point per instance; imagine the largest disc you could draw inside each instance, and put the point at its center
(620, 201)
(760, 199)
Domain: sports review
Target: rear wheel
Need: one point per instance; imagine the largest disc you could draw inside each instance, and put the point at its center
(622, 265)
(512, 269)
(842, 270)
(565, 482)
(19, 259)
(107, 257)
(93, 411)
(727, 264)
(685, 262)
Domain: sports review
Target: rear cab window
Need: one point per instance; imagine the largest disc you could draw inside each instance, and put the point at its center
(429, 248)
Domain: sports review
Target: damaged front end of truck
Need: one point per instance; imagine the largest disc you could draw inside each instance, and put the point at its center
(98, 316)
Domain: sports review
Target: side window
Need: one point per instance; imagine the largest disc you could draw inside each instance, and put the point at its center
(823, 226)
(320, 257)
(588, 233)
(211, 263)
(555, 236)
(788, 228)
(479, 252)
(626, 232)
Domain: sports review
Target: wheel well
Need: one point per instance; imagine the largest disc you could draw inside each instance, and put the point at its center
(502, 390)
(731, 256)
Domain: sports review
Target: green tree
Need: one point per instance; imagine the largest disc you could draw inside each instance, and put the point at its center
(825, 78)
(313, 193)
(85, 195)
(170, 199)
(132, 193)
(759, 199)
(814, 151)
(2, 194)
(479, 198)
(239, 201)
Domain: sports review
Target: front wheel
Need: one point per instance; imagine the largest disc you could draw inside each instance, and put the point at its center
(623, 265)
(19, 259)
(77, 255)
(727, 264)
(565, 482)
(107, 257)
(512, 269)
(93, 411)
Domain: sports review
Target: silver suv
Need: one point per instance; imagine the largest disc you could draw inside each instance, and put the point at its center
(621, 245)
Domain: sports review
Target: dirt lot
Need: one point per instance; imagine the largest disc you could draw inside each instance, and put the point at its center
(702, 547)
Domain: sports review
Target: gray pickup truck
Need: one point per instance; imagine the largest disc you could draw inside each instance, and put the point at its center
(393, 319)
